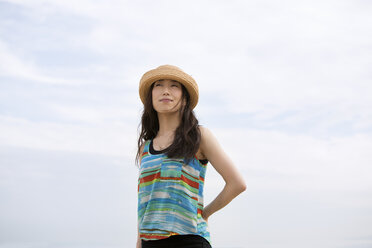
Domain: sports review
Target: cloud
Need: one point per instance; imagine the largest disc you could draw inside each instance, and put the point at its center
(305, 162)
(105, 138)
(66, 199)
(15, 67)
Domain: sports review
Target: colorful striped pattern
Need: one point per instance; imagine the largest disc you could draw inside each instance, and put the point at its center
(170, 196)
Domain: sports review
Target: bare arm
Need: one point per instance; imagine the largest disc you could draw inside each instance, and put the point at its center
(139, 245)
(234, 182)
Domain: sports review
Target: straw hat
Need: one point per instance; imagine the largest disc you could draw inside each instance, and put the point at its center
(173, 73)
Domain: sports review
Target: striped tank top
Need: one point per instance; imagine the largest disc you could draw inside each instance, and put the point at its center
(170, 195)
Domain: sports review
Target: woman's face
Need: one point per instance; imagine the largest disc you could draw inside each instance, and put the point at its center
(167, 96)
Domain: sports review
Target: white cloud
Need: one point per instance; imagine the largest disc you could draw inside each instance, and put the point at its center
(13, 66)
(89, 115)
(307, 163)
(104, 138)
(21, 67)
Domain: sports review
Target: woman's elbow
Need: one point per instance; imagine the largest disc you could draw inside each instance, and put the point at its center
(242, 187)
(238, 186)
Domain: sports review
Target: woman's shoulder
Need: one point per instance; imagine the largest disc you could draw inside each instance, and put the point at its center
(206, 137)
(208, 140)
(205, 133)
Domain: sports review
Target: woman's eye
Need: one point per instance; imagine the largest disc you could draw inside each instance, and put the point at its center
(175, 85)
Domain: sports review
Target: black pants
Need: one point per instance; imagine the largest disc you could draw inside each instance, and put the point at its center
(178, 241)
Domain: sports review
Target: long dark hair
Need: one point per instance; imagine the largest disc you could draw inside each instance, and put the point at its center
(187, 135)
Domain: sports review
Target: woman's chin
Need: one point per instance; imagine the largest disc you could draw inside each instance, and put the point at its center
(166, 110)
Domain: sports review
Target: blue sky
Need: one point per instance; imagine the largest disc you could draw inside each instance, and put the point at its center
(285, 87)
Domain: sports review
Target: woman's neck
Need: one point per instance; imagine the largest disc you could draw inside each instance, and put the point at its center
(168, 124)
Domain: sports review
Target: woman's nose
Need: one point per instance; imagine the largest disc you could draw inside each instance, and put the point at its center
(166, 91)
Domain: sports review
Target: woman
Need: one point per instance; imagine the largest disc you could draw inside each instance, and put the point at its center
(173, 152)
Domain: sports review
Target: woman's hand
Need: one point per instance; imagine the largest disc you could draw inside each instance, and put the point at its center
(205, 218)
(205, 214)
(139, 242)
(139, 245)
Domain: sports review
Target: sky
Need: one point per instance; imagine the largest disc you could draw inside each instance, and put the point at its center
(284, 86)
